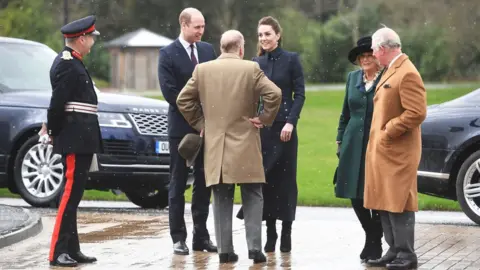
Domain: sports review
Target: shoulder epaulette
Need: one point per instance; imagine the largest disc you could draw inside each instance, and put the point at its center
(66, 55)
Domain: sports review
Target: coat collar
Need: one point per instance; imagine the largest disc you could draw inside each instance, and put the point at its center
(275, 54)
(360, 84)
(185, 44)
(73, 53)
(229, 56)
(178, 44)
(390, 71)
(202, 54)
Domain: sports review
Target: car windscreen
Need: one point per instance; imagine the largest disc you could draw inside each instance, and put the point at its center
(25, 67)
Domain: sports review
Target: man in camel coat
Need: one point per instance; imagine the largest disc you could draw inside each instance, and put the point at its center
(394, 150)
(221, 101)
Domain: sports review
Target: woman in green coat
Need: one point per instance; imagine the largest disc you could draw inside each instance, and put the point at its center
(352, 139)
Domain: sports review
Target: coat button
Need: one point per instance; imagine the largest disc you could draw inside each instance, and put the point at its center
(361, 130)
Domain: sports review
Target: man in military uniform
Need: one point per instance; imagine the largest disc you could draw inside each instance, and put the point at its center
(74, 131)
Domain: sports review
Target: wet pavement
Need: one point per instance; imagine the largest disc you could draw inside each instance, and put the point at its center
(11, 218)
(323, 238)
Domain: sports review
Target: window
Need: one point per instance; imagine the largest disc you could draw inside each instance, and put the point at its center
(25, 67)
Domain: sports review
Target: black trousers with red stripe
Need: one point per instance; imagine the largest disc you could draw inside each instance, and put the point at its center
(65, 233)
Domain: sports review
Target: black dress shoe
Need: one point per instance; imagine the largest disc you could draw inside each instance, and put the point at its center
(64, 260)
(257, 256)
(402, 264)
(201, 245)
(81, 258)
(180, 248)
(382, 262)
(228, 257)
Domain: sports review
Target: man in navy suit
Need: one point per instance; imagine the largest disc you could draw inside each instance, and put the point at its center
(175, 67)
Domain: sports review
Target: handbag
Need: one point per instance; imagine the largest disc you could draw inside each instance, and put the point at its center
(335, 177)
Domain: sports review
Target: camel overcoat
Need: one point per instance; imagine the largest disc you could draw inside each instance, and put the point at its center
(220, 98)
(395, 146)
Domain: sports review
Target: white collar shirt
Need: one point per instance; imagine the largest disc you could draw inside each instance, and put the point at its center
(188, 49)
(394, 59)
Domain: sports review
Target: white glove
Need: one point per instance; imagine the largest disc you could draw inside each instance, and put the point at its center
(44, 139)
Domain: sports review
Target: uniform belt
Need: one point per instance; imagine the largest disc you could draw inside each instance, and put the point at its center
(81, 107)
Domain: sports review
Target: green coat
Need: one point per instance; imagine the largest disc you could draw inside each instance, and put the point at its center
(353, 132)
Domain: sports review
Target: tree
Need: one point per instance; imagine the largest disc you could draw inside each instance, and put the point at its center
(30, 19)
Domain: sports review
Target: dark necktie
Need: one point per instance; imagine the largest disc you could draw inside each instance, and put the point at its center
(192, 55)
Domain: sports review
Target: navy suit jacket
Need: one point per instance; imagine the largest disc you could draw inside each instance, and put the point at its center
(285, 70)
(175, 68)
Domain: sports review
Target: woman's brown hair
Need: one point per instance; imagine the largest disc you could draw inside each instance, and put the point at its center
(269, 20)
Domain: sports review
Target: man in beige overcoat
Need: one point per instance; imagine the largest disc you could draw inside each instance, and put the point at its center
(221, 101)
(394, 150)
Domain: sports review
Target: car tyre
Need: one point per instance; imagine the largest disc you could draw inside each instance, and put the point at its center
(146, 198)
(26, 170)
(468, 179)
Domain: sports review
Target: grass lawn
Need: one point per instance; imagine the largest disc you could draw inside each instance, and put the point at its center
(317, 160)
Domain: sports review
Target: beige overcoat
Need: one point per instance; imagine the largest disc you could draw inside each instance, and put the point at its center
(220, 98)
(394, 148)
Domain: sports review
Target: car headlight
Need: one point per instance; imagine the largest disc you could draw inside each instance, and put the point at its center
(117, 120)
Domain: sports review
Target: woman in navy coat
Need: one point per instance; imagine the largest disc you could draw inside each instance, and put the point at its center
(279, 141)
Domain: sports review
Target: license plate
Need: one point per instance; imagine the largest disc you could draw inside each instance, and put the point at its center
(162, 147)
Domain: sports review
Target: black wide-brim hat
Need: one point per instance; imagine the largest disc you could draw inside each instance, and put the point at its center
(364, 44)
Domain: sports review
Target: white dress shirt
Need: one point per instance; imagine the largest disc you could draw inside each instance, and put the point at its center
(187, 47)
(394, 59)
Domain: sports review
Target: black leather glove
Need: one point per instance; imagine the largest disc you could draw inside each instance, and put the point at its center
(338, 150)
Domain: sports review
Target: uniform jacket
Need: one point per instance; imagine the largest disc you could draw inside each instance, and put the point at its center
(353, 132)
(395, 146)
(220, 97)
(175, 67)
(285, 70)
(72, 132)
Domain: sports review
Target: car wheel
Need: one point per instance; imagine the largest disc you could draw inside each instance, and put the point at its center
(38, 174)
(468, 187)
(147, 198)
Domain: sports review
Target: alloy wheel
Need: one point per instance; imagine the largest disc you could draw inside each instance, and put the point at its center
(471, 187)
(42, 171)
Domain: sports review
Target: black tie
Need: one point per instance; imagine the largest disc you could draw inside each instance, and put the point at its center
(192, 55)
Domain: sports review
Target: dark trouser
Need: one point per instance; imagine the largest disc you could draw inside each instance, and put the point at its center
(65, 233)
(399, 229)
(176, 196)
(252, 201)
